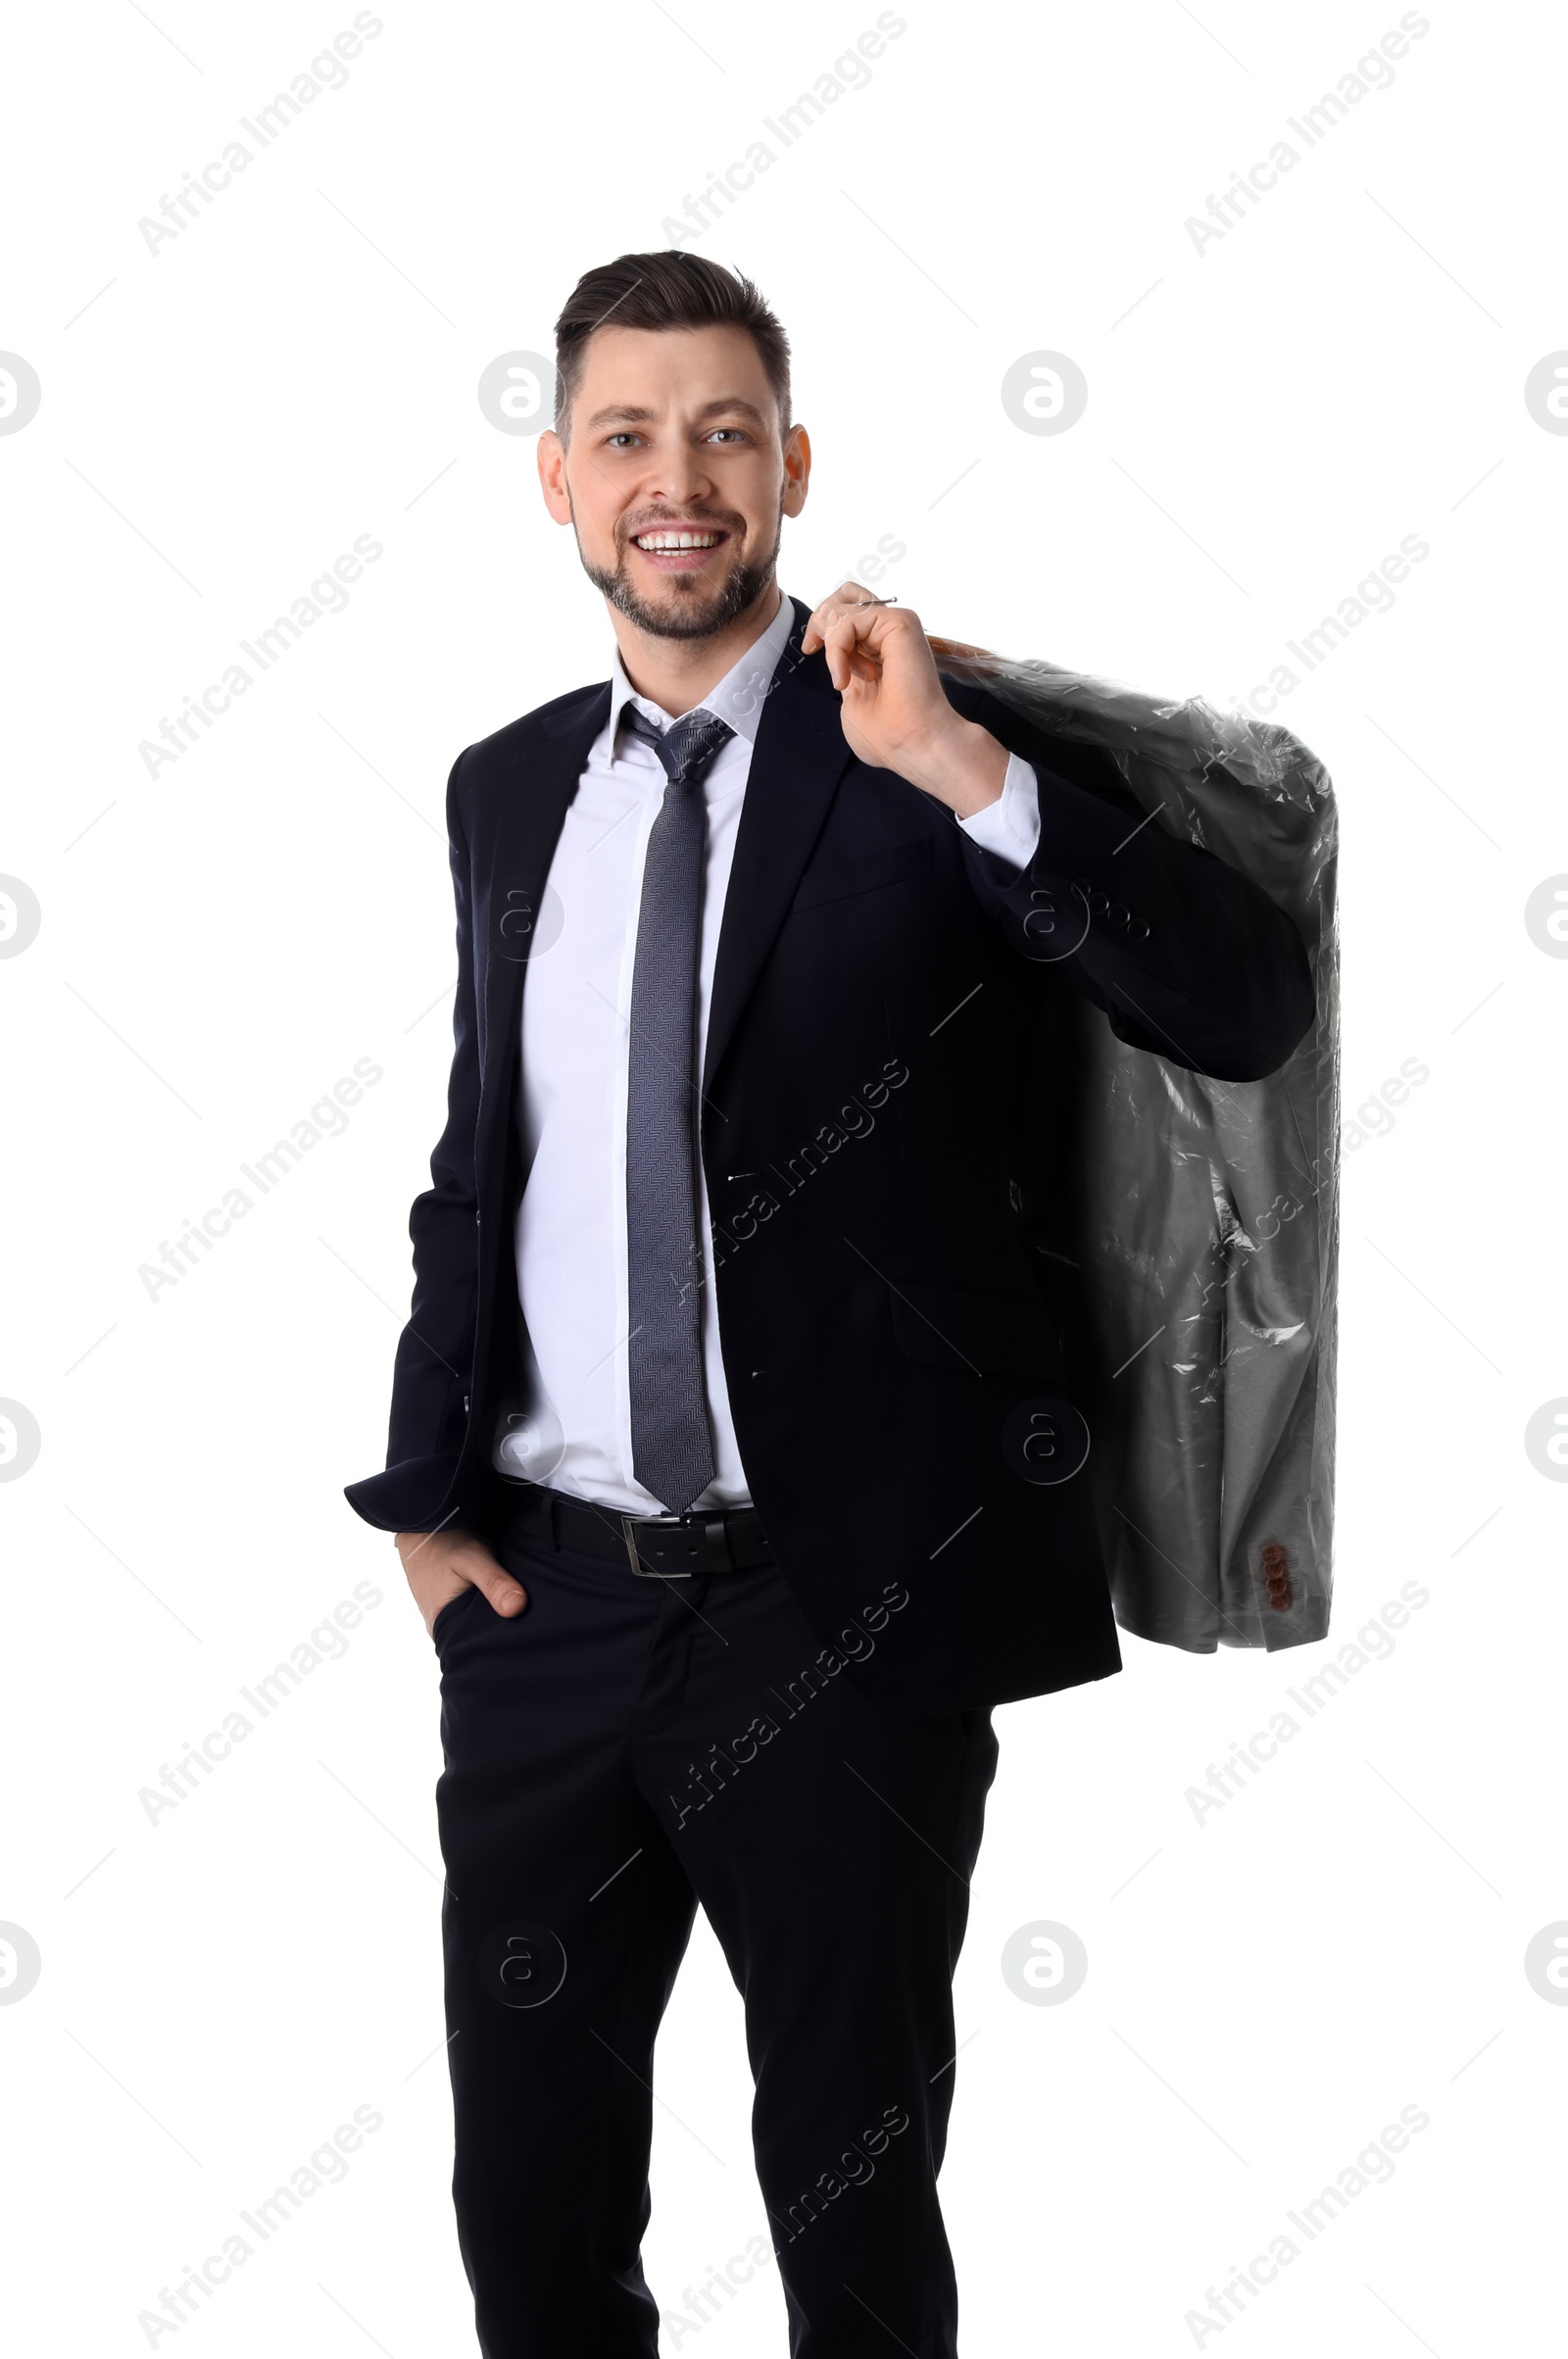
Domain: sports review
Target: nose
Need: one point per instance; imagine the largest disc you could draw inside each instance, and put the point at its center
(679, 476)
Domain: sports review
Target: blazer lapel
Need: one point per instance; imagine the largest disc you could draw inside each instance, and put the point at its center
(798, 758)
(540, 782)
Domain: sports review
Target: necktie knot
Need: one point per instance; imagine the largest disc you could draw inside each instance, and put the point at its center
(687, 748)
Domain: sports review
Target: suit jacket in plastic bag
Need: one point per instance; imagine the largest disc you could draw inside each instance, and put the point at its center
(1201, 1216)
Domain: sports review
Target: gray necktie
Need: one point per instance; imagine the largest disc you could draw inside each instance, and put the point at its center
(671, 1447)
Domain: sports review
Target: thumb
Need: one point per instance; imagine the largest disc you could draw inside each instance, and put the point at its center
(506, 1595)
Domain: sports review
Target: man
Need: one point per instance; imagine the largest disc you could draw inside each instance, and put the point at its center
(732, 1464)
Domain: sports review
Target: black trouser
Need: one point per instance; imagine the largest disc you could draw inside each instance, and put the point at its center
(622, 1750)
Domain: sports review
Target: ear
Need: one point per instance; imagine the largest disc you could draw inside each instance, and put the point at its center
(552, 459)
(797, 469)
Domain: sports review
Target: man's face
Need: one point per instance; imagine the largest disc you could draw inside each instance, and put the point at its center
(676, 440)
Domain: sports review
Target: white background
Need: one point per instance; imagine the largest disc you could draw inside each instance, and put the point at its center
(1267, 418)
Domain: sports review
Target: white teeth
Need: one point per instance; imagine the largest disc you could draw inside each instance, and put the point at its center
(678, 540)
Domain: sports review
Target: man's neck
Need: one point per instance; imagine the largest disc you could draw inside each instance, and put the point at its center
(678, 674)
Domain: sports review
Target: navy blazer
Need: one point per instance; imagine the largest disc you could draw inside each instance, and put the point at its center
(885, 1045)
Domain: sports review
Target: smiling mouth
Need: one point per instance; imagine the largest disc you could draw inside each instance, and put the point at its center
(679, 547)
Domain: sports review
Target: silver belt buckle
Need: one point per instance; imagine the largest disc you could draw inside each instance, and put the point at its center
(629, 1528)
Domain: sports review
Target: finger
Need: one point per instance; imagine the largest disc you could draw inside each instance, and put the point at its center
(507, 1596)
(847, 593)
(853, 642)
(840, 646)
(873, 620)
(835, 609)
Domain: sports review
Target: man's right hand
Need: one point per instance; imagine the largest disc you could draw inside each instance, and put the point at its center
(441, 1565)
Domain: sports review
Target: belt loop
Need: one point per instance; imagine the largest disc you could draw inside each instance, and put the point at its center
(715, 1532)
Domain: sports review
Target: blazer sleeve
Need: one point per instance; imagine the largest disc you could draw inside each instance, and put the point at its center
(1186, 956)
(435, 1350)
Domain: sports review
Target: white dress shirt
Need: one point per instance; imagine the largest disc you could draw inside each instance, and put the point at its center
(571, 1219)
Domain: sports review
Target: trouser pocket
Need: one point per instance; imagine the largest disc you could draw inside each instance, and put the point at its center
(449, 1614)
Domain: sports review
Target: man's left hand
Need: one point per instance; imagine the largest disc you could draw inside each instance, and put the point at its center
(894, 712)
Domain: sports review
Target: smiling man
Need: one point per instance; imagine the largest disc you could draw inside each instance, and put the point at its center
(732, 1461)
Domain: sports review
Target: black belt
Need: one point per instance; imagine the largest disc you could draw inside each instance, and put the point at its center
(659, 1547)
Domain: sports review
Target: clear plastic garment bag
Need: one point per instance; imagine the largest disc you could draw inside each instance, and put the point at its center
(1201, 1216)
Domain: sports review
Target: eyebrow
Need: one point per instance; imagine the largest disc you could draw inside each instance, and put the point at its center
(726, 405)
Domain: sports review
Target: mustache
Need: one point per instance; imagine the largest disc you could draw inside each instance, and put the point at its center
(702, 522)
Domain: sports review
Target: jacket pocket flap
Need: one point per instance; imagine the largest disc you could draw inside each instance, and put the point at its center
(836, 880)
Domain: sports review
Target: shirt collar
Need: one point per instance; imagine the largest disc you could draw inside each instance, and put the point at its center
(738, 697)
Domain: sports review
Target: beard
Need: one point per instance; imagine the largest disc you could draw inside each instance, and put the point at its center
(695, 610)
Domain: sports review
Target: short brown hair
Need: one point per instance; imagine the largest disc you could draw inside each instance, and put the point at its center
(664, 290)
